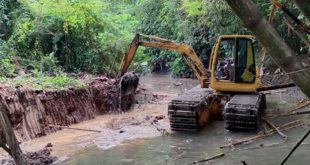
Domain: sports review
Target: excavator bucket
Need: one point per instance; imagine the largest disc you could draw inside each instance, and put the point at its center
(128, 85)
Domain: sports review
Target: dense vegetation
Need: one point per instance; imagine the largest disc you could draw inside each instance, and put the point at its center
(43, 38)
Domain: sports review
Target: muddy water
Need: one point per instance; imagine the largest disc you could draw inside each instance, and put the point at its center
(165, 84)
(184, 148)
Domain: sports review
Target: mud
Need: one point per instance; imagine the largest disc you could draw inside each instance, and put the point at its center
(32, 111)
(146, 119)
(39, 157)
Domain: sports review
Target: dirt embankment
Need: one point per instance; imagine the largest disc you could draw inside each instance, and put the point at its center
(33, 111)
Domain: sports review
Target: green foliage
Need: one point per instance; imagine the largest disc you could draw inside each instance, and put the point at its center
(77, 35)
(7, 67)
(40, 81)
(52, 36)
(194, 7)
(48, 64)
(177, 66)
(199, 23)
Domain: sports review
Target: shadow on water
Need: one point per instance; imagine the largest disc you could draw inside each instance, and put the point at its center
(183, 148)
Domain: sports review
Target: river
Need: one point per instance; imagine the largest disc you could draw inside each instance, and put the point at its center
(181, 148)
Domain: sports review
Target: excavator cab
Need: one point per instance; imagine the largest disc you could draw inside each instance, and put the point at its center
(232, 65)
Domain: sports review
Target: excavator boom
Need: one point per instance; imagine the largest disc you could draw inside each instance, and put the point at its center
(155, 42)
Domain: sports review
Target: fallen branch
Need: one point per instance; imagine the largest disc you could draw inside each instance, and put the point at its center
(303, 101)
(276, 91)
(273, 87)
(295, 147)
(275, 128)
(6, 148)
(208, 159)
(79, 129)
(265, 127)
(264, 145)
(301, 105)
(292, 111)
(161, 130)
(286, 126)
(288, 114)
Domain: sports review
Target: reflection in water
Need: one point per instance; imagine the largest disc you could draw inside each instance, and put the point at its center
(184, 148)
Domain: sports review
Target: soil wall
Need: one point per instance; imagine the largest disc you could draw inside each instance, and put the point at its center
(32, 111)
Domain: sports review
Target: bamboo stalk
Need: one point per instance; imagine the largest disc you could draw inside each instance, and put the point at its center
(295, 147)
(264, 145)
(286, 126)
(274, 91)
(275, 128)
(301, 105)
(295, 108)
(210, 158)
(274, 87)
(79, 129)
(257, 137)
(288, 114)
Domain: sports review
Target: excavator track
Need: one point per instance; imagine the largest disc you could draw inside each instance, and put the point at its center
(185, 111)
(243, 111)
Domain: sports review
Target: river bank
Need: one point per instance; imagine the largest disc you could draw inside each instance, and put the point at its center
(148, 118)
(145, 128)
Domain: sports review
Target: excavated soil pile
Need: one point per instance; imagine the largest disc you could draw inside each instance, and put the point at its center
(33, 111)
(34, 158)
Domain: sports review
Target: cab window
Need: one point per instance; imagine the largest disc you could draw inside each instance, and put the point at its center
(225, 61)
(245, 65)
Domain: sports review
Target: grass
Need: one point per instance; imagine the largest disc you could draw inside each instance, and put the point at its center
(41, 82)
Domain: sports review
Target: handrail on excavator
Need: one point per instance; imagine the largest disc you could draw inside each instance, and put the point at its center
(187, 51)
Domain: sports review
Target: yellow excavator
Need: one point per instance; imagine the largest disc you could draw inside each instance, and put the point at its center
(228, 88)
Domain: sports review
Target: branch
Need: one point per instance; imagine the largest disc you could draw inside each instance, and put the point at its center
(79, 129)
(275, 128)
(295, 147)
(208, 159)
(286, 126)
(6, 148)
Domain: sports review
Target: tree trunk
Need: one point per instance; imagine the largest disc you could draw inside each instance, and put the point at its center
(304, 6)
(280, 52)
(10, 138)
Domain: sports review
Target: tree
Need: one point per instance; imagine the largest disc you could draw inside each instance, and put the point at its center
(280, 52)
(10, 144)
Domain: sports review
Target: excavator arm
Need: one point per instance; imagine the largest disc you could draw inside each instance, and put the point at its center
(155, 42)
